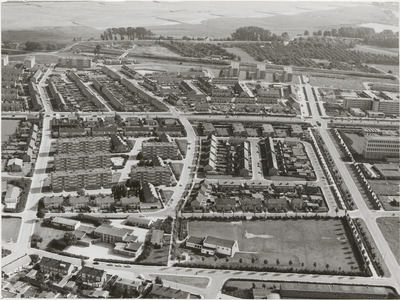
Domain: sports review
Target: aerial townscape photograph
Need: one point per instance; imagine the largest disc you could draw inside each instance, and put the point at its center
(200, 149)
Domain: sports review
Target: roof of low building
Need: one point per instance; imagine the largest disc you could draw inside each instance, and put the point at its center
(65, 221)
(159, 291)
(114, 231)
(92, 271)
(194, 239)
(219, 242)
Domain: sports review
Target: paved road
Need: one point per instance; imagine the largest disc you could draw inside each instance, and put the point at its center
(218, 277)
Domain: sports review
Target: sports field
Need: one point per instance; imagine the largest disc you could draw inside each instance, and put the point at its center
(297, 241)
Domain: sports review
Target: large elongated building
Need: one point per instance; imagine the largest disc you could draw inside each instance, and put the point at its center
(90, 179)
(82, 160)
(160, 175)
(83, 144)
(380, 146)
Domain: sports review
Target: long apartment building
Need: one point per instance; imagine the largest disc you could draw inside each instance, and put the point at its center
(90, 179)
(75, 62)
(83, 144)
(159, 175)
(82, 160)
(165, 150)
(379, 146)
(388, 107)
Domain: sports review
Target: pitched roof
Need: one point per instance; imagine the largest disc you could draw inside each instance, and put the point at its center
(219, 242)
(194, 240)
(92, 271)
(159, 291)
(114, 231)
(54, 263)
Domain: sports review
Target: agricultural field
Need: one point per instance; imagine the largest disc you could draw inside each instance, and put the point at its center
(287, 243)
(200, 50)
(10, 229)
(303, 55)
(390, 228)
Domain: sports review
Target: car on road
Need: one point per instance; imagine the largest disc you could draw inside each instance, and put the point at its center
(109, 264)
(118, 265)
(96, 263)
(127, 266)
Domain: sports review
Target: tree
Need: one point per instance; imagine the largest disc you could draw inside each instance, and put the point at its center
(70, 238)
(265, 261)
(306, 32)
(40, 214)
(285, 36)
(319, 32)
(290, 262)
(34, 257)
(122, 32)
(327, 266)
(315, 264)
(158, 280)
(278, 261)
(97, 49)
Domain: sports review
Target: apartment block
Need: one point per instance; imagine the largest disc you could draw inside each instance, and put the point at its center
(29, 62)
(55, 266)
(378, 146)
(86, 144)
(75, 62)
(82, 160)
(165, 150)
(160, 175)
(77, 179)
(355, 102)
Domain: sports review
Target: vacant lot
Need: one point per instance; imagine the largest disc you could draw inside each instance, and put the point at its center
(345, 82)
(354, 141)
(199, 282)
(385, 187)
(296, 243)
(10, 229)
(47, 234)
(390, 228)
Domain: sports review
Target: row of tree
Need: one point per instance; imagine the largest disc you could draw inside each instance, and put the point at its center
(254, 33)
(130, 32)
(386, 38)
(35, 46)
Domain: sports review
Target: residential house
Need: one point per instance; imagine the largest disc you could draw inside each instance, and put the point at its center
(55, 266)
(11, 198)
(225, 204)
(165, 292)
(131, 286)
(53, 201)
(93, 276)
(15, 165)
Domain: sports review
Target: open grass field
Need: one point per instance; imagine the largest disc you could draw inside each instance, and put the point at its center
(385, 187)
(390, 228)
(357, 141)
(10, 229)
(394, 69)
(177, 169)
(345, 82)
(47, 234)
(199, 282)
(297, 241)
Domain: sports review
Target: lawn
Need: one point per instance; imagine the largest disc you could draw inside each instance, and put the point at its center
(177, 169)
(47, 234)
(199, 282)
(345, 82)
(357, 141)
(289, 241)
(390, 228)
(10, 229)
(385, 187)
(182, 145)
(115, 177)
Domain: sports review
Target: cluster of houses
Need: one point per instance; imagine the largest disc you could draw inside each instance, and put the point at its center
(277, 197)
(66, 280)
(238, 130)
(22, 147)
(226, 157)
(71, 125)
(293, 160)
